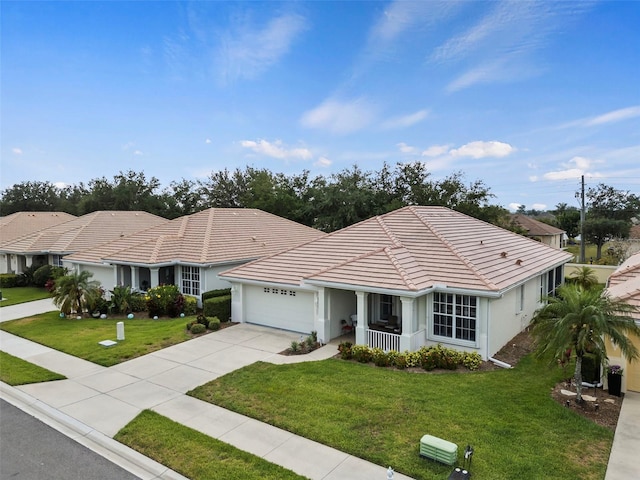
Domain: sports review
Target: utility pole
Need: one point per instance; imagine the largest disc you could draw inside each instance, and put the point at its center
(582, 215)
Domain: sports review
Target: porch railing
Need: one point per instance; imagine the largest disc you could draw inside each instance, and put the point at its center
(385, 341)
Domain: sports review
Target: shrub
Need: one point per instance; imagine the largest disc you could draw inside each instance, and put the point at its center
(221, 292)
(218, 307)
(190, 324)
(471, 360)
(120, 299)
(295, 346)
(41, 275)
(198, 328)
(400, 360)
(214, 324)
(380, 357)
(202, 320)
(361, 353)
(25, 279)
(190, 305)
(163, 300)
(138, 302)
(8, 280)
(345, 350)
(311, 341)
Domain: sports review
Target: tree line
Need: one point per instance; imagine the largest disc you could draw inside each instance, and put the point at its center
(327, 203)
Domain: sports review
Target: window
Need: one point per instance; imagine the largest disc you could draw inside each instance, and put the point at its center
(191, 281)
(553, 279)
(454, 316)
(520, 299)
(57, 260)
(386, 306)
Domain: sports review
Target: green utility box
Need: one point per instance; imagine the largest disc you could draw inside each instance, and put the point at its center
(438, 449)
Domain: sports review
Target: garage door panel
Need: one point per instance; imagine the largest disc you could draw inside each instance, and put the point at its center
(280, 308)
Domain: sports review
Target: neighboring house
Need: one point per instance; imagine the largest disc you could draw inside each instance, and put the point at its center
(191, 251)
(20, 224)
(624, 284)
(50, 245)
(540, 231)
(412, 277)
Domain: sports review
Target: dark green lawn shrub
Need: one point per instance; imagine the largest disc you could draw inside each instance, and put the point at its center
(220, 292)
(198, 328)
(8, 280)
(345, 350)
(41, 275)
(218, 307)
(203, 320)
(214, 324)
(190, 306)
(138, 302)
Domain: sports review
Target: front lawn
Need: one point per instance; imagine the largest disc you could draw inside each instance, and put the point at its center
(379, 414)
(15, 295)
(194, 454)
(15, 371)
(80, 337)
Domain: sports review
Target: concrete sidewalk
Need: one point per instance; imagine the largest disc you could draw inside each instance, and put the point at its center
(623, 461)
(95, 402)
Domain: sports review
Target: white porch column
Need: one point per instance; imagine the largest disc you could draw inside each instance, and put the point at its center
(134, 277)
(363, 315)
(28, 260)
(322, 326)
(13, 263)
(409, 320)
(154, 277)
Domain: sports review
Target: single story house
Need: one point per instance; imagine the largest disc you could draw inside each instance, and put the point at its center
(412, 277)
(20, 224)
(624, 284)
(540, 231)
(50, 245)
(191, 251)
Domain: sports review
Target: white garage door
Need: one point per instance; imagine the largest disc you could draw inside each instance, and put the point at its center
(280, 308)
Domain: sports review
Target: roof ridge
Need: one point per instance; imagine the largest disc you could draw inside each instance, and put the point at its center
(453, 249)
(400, 269)
(392, 236)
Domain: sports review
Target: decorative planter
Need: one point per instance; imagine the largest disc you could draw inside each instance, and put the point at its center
(615, 384)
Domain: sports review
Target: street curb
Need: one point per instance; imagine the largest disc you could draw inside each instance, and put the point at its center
(123, 456)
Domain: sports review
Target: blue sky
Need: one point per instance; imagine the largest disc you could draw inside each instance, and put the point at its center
(525, 96)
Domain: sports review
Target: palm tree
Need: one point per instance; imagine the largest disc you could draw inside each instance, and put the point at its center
(579, 319)
(75, 291)
(585, 277)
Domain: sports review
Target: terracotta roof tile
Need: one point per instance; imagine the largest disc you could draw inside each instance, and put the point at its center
(624, 283)
(20, 224)
(212, 236)
(535, 227)
(412, 248)
(83, 233)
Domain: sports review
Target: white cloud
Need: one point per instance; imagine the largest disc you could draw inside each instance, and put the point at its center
(339, 117)
(16, 151)
(514, 206)
(276, 149)
(405, 120)
(574, 168)
(401, 16)
(436, 150)
(247, 52)
(323, 162)
(408, 149)
(207, 141)
(538, 206)
(481, 149)
(138, 152)
(615, 116)
(60, 185)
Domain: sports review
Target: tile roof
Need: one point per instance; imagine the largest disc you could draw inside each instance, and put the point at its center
(212, 236)
(82, 233)
(535, 227)
(410, 249)
(624, 283)
(19, 224)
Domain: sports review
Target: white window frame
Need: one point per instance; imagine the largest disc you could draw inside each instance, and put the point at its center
(461, 310)
(190, 279)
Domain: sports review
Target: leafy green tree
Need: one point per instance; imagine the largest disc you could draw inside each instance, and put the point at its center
(75, 292)
(31, 196)
(568, 219)
(579, 319)
(605, 201)
(600, 230)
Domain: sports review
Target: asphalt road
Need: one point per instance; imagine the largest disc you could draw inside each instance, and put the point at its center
(31, 450)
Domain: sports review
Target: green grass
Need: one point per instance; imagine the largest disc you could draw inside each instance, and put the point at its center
(80, 337)
(193, 454)
(15, 295)
(590, 252)
(508, 416)
(15, 371)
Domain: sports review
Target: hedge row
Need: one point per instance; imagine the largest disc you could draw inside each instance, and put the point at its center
(8, 280)
(221, 292)
(429, 358)
(218, 307)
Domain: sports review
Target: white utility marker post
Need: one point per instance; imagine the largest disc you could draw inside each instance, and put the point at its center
(120, 331)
